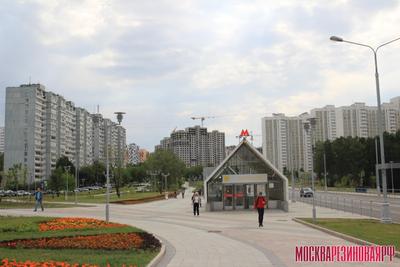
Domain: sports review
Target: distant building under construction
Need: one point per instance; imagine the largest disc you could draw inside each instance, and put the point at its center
(195, 146)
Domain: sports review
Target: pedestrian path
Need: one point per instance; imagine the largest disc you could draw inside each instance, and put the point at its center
(230, 238)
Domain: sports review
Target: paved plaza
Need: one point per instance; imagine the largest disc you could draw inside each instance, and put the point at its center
(230, 238)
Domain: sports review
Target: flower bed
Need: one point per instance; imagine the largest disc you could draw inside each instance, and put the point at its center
(13, 263)
(120, 241)
(76, 223)
(85, 241)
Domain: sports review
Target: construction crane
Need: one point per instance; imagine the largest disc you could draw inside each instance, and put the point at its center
(203, 118)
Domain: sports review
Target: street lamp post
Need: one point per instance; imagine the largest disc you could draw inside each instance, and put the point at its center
(391, 169)
(378, 190)
(107, 175)
(107, 128)
(308, 127)
(326, 186)
(385, 205)
(67, 169)
(165, 175)
(76, 180)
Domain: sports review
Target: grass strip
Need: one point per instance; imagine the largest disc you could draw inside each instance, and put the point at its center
(366, 229)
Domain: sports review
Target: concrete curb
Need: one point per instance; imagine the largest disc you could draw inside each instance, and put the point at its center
(159, 256)
(340, 235)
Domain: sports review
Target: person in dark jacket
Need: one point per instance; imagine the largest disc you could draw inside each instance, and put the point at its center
(39, 199)
(259, 204)
(196, 201)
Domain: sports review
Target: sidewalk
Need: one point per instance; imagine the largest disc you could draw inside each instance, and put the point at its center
(230, 238)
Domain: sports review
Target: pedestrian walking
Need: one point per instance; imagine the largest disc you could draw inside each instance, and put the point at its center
(183, 194)
(259, 204)
(196, 201)
(38, 199)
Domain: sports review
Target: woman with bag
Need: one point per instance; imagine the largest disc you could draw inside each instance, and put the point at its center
(259, 204)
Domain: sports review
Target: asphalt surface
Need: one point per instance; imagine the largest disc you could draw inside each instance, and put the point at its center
(358, 203)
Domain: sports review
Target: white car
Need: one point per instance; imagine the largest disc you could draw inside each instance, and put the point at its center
(306, 192)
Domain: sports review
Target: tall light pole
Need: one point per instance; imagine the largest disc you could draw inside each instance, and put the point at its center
(67, 169)
(107, 136)
(326, 186)
(119, 119)
(77, 159)
(378, 188)
(106, 128)
(308, 127)
(391, 168)
(165, 175)
(385, 205)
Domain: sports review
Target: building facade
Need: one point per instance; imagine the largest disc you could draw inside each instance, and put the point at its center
(133, 154)
(195, 146)
(1, 139)
(42, 126)
(143, 155)
(287, 145)
(285, 142)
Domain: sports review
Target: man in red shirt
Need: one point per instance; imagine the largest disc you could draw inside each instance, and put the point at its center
(259, 204)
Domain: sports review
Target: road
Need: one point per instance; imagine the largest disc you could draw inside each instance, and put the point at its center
(219, 239)
(360, 203)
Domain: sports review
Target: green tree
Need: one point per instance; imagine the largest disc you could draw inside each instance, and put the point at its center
(195, 171)
(65, 164)
(167, 162)
(56, 181)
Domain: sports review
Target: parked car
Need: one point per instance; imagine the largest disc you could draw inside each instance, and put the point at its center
(306, 192)
(10, 193)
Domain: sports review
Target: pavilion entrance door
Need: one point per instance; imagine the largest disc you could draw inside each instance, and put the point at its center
(228, 197)
(239, 196)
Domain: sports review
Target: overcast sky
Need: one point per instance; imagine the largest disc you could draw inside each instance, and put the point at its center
(163, 62)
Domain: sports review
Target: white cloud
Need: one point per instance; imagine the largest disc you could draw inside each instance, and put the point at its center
(163, 62)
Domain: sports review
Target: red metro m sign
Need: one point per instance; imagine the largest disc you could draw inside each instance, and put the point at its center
(244, 133)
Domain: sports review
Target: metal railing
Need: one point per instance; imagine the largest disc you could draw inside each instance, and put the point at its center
(367, 208)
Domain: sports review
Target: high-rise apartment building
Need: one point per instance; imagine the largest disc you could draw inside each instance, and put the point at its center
(285, 142)
(143, 155)
(355, 120)
(108, 134)
(41, 127)
(195, 146)
(133, 154)
(1, 139)
(287, 145)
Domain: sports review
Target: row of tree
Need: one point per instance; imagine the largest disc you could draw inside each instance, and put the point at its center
(159, 163)
(350, 161)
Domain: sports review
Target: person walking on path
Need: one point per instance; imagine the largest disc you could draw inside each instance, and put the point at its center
(196, 200)
(259, 204)
(39, 199)
(183, 194)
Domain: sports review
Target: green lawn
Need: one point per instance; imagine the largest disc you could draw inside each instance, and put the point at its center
(27, 227)
(365, 229)
(31, 204)
(97, 196)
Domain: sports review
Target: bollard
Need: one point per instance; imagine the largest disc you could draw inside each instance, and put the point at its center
(361, 207)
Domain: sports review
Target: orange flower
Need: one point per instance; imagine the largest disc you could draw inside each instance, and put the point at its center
(76, 223)
(121, 241)
(6, 263)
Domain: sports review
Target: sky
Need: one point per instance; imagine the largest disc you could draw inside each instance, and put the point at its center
(163, 62)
